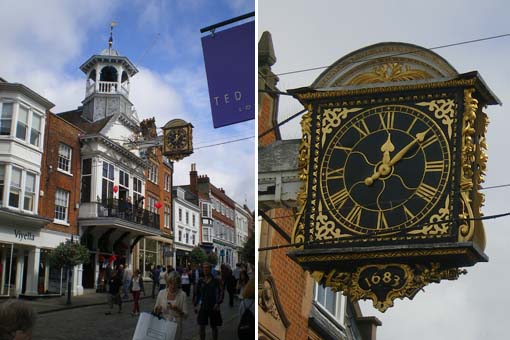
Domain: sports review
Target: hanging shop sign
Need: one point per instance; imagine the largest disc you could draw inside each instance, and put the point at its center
(229, 57)
(392, 159)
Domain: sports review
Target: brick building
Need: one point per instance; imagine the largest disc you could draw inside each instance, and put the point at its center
(222, 217)
(60, 176)
(291, 304)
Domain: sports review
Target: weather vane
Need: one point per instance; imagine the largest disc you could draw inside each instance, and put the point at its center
(112, 25)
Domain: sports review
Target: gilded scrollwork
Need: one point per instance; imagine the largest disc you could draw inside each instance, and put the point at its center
(444, 110)
(434, 227)
(468, 147)
(389, 72)
(388, 281)
(332, 118)
(298, 236)
(325, 229)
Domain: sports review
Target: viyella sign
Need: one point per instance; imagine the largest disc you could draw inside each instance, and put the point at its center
(229, 58)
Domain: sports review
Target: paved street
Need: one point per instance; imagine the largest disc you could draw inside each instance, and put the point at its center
(90, 322)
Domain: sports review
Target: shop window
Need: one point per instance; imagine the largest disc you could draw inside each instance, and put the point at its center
(64, 157)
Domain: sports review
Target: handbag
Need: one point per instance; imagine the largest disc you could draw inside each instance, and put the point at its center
(152, 327)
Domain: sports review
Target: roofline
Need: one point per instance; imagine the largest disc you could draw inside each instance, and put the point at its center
(96, 57)
(105, 140)
(28, 92)
(66, 121)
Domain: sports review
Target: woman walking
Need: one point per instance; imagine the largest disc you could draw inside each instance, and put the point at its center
(171, 302)
(136, 287)
(185, 279)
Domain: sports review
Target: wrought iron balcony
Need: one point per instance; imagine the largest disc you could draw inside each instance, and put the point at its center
(125, 211)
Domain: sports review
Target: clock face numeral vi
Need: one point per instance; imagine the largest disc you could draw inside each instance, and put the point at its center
(385, 169)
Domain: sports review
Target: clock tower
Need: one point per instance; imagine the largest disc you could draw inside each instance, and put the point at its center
(108, 84)
(393, 157)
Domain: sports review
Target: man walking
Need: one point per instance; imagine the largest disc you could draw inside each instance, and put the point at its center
(155, 272)
(208, 298)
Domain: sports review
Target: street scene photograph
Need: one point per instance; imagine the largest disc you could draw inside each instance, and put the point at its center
(382, 155)
(127, 169)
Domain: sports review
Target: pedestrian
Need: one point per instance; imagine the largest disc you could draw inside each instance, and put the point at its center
(171, 302)
(136, 287)
(208, 298)
(162, 278)
(17, 320)
(246, 326)
(243, 280)
(126, 281)
(185, 280)
(155, 272)
(228, 282)
(236, 273)
(115, 288)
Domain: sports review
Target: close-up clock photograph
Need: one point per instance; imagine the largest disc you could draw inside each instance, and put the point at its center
(382, 161)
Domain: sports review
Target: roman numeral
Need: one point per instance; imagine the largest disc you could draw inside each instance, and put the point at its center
(387, 119)
(343, 148)
(426, 192)
(426, 143)
(434, 166)
(340, 197)
(362, 128)
(354, 216)
(382, 223)
(408, 213)
(412, 125)
(335, 174)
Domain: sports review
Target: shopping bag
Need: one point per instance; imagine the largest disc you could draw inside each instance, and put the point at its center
(150, 327)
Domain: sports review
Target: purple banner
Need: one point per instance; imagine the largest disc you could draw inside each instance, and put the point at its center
(229, 58)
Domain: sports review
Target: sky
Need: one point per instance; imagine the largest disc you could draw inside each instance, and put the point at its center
(43, 44)
(306, 36)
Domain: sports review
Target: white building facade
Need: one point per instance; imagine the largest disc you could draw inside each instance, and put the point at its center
(242, 217)
(22, 235)
(186, 219)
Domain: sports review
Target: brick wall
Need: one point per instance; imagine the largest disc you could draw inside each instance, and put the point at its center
(158, 191)
(290, 279)
(59, 131)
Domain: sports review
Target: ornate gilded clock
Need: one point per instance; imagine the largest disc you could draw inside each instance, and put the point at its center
(392, 159)
(177, 139)
(385, 169)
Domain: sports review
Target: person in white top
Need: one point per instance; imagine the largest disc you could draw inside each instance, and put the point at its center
(185, 280)
(126, 280)
(136, 287)
(171, 302)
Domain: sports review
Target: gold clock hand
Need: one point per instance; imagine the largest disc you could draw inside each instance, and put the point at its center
(420, 137)
(384, 168)
(386, 148)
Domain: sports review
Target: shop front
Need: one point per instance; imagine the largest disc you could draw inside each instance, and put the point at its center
(24, 264)
(153, 251)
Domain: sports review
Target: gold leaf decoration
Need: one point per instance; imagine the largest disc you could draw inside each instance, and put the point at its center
(389, 72)
(435, 227)
(332, 118)
(444, 109)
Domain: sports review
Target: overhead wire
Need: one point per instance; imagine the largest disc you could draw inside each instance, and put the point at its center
(401, 53)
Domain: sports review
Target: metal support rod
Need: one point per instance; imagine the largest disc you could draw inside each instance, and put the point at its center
(275, 226)
(226, 22)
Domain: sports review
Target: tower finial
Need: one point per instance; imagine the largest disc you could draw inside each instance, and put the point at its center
(112, 25)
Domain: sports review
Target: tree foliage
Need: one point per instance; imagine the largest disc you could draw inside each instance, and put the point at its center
(198, 255)
(69, 254)
(248, 251)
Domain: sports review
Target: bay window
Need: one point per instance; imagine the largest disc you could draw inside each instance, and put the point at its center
(28, 202)
(15, 187)
(22, 124)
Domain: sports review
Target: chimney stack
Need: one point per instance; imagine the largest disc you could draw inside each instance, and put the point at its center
(193, 175)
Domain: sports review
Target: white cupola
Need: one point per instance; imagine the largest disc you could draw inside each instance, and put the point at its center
(107, 85)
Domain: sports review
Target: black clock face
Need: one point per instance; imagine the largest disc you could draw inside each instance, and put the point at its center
(385, 169)
(176, 139)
